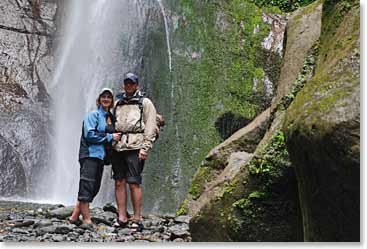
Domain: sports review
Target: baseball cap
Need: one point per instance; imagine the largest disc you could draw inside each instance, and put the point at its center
(106, 89)
(132, 77)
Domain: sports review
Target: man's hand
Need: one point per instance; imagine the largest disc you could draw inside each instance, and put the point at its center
(116, 136)
(143, 155)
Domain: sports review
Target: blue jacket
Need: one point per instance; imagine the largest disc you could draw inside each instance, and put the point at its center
(94, 135)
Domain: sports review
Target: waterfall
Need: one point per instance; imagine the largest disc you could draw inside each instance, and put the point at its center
(97, 47)
(176, 166)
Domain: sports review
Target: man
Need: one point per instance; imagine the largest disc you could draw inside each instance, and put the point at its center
(136, 120)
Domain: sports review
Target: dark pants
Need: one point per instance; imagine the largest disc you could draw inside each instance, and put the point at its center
(91, 170)
(126, 164)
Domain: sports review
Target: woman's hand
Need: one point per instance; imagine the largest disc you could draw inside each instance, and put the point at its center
(116, 136)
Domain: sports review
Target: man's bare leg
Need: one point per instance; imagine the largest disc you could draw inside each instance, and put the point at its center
(136, 196)
(121, 199)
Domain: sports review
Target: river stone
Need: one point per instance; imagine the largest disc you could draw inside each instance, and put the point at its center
(60, 213)
(109, 207)
(124, 231)
(39, 211)
(109, 216)
(147, 223)
(107, 229)
(43, 223)
(64, 229)
(19, 230)
(179, 227)
(24, 223)
(183, 219)
(155, 237)
(45, 230)
(79, 230)
(178, 240)
(179, 234)
(101, 219)
(57, 238)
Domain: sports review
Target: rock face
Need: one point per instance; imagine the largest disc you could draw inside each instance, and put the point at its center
(224, 72)
(323, 130)
(26, 28)
(260, 201)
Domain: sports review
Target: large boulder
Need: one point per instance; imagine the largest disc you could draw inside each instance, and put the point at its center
(259, 202)
(303, 30)
(223, 163)
(323, 131)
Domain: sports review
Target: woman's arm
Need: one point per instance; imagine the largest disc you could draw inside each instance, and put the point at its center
(90, 130)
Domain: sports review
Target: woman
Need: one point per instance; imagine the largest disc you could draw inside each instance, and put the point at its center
(95, 135)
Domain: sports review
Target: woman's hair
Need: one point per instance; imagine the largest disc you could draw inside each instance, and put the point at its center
(98, 102)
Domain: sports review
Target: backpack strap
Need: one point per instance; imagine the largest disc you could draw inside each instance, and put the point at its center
(121, 101)
(140, 104)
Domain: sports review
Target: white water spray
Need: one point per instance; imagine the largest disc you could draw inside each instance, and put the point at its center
(166, 27)
(92, 57)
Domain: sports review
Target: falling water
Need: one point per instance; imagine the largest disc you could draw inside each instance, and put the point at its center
(97, 48)
(166, 27)
(176, 167)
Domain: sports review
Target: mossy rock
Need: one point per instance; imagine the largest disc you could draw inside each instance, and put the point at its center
(323, 132)
(254, 206)
(303, 31)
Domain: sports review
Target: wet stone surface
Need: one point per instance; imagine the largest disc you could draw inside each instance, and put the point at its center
(21, 221)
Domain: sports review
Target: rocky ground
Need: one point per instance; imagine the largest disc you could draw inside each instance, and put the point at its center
(21, 221)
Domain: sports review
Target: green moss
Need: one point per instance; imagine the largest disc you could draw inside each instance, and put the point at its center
(202, 176)
(305, 74)
(333, 83)
(272, 162)
(182, 210)
(284, 5)
(333, 15)
(220, 80)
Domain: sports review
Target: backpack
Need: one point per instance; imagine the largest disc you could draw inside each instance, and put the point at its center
(138, 100)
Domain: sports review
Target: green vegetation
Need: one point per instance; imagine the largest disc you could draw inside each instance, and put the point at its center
(283, 5)
(273, 160)
(271, 183)
(202, 176)
(182, 210)
(217, 57)
(305, 74)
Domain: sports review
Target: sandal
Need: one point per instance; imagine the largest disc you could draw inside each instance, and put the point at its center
(76, 222)
(137, 226)
(120, 223)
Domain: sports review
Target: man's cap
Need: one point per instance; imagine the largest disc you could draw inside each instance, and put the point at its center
(131, 77)
(106, 89)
